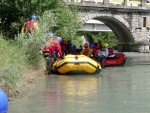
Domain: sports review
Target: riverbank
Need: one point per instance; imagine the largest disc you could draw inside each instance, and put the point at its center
(20, 66)
(26, 83)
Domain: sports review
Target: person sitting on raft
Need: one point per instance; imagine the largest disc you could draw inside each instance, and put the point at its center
(109, 52)
(98, 55)
(86, 50)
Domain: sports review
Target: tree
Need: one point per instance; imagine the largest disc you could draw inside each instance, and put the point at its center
(104, 37)
(14, 12)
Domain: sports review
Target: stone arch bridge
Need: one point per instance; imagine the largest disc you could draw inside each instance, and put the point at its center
(130, 24)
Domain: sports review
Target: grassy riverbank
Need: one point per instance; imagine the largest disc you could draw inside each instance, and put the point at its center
(20, 60)
(14, 64)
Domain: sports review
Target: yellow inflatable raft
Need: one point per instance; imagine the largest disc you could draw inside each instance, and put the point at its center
(76, 63)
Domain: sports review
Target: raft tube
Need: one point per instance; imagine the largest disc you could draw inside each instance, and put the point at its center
(76, 63)
(120, 60)
(3, 102)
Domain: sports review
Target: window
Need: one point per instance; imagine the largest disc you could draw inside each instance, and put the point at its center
(144, 22)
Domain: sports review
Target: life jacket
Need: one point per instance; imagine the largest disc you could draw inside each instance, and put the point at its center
(29, 26)
(50, 46)
(110, 51)
(86, 51)
(98, 53)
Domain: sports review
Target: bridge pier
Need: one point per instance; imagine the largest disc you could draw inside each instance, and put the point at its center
(143, 3)
(139, 47)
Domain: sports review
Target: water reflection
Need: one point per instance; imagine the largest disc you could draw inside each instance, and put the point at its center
(82, 86)
(115, 90)
(71, 92)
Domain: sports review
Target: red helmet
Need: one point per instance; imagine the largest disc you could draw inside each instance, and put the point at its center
(86, 45)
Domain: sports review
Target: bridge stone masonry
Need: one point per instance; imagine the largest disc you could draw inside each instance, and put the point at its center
(130, 24)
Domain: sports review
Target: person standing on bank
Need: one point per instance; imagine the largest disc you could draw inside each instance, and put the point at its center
(49, 51)
(30, 25)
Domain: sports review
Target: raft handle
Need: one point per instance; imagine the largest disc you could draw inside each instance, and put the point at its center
(76, 57)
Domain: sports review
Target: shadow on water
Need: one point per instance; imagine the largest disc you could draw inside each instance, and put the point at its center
(138, 58)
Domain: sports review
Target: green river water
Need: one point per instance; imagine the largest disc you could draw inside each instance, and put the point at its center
(115, 90)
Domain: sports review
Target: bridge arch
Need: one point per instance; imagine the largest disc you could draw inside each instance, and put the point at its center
(118, 25)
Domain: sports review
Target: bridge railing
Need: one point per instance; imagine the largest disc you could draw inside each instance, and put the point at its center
(121, 3)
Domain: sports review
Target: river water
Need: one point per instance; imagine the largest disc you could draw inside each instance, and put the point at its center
(115, 90)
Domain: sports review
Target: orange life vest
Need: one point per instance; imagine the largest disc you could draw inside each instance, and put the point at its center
(29, 26)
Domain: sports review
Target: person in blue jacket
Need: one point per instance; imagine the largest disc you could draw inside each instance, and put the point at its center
(3, 102)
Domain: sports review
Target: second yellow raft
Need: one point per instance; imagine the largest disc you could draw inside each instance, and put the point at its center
(76, 63)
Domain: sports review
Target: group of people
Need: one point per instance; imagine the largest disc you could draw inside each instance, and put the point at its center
(57, 47)
(95, 51)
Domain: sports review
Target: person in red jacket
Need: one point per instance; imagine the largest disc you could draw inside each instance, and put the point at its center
(98, 55)
(50, 51)
(30, 25)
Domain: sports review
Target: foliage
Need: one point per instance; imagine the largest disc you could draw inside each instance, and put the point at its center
(104, 37)
(77, 41)
(13, 63)
(19, 11)
(33, 42)
(23, 52)
(39, 6)
(68, 22)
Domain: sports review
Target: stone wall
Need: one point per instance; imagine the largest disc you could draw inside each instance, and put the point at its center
(135, 26)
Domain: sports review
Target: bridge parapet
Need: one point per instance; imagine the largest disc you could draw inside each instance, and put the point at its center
(130, 24)
(143, 4)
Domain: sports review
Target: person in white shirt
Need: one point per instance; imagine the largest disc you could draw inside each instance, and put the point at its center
(109, 52)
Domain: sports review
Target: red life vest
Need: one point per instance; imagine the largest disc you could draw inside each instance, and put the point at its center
(29, 26)
(51, 46)
(110, 51)
(86, 51)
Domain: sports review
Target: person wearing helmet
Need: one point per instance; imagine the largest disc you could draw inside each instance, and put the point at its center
(59, 39)
(69, 47)
(51, 34)
(33, 17)
(74, 48)
(30, 25)
(51, 51)
(98, 55)
(87, 51)
(109, 52)
(3, 102)
(63, 45)
(91, 45)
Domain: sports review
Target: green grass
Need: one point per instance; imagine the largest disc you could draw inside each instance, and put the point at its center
(19, 55)
(12, 63)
